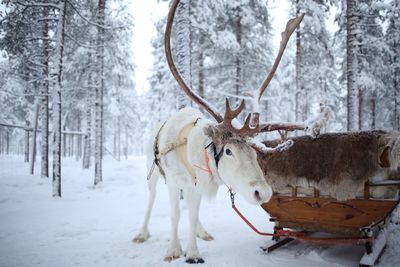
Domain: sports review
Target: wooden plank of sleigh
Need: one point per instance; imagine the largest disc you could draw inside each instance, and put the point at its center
(326, 214)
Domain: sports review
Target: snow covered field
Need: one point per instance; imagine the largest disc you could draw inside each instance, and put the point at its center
(94, 227)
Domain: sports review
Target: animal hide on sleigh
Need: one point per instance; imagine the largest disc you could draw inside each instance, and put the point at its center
(337, 164)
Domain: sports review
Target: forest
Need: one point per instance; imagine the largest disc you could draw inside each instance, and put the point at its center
(67, 71)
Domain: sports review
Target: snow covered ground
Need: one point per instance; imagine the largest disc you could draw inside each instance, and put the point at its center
(94, 227)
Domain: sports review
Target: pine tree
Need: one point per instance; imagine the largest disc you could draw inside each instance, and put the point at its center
(352, 67)
(57, 88)
(183, 49)
(99, 111)
(392, 38)
(44, 109)
(315, 77)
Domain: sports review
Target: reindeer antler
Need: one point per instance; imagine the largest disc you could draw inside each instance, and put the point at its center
(268, 127)
(167, 45)
(231, 114)
(291, 25)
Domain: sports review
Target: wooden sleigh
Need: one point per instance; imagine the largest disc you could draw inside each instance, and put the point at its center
(355, 221)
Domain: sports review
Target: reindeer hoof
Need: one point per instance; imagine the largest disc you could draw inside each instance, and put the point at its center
(194, 260)
(170, 258)
(138, 240)
(206, 237)
(141, 238)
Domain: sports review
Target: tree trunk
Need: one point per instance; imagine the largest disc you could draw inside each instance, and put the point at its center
(33, 156)
(396, 87)
(360, 109)
(64, 142)
(44, 109)
(351, 64)
(71, 145)
(26, 158)
(7, 142)
(126, 144)
(373, 111)
(1, 140)
(119, 139)
(299, 85)
(238, 61)
(183, 50)
(78, 153)
(201, 74)
(98, 175)
(87, 151)
(57, 100)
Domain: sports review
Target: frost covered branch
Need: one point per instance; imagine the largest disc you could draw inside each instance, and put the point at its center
(269, 150)
(313, 126)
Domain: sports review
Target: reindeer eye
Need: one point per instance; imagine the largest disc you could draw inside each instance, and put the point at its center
(228, 152)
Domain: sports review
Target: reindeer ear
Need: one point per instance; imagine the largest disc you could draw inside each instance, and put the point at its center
(214, 134)
(210, 131)
(383, 160)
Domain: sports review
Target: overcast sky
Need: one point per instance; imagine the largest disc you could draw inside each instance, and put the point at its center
(145, 14)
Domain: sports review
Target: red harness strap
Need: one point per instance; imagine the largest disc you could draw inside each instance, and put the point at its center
(207, 160)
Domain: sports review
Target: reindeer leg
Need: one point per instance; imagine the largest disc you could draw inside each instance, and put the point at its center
(202, 233)
(192, 252)
(174, 250)
(144, 232)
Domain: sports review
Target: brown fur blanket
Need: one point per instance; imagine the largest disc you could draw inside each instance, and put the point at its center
(337, 164)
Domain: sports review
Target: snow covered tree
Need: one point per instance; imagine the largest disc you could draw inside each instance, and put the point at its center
(233, 47)
(392, 38)
(183, 49)
(44, 109)
(26, 37)
(352, 20)
(99, 87)
(57, 88)
(314, 62)
(365, 68)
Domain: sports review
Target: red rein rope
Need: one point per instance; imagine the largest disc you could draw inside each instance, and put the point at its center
(301, 235)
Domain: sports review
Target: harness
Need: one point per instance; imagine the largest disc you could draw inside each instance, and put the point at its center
(180, 145)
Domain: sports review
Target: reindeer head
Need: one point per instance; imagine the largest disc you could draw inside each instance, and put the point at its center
(234, 150)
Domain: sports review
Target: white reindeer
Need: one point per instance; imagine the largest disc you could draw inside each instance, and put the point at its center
(197, 155)
(237, 168)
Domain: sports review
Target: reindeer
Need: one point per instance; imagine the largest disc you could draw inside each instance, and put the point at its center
(196, 155)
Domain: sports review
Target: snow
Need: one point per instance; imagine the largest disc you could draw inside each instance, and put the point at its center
(94, 227)
(379, 244)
